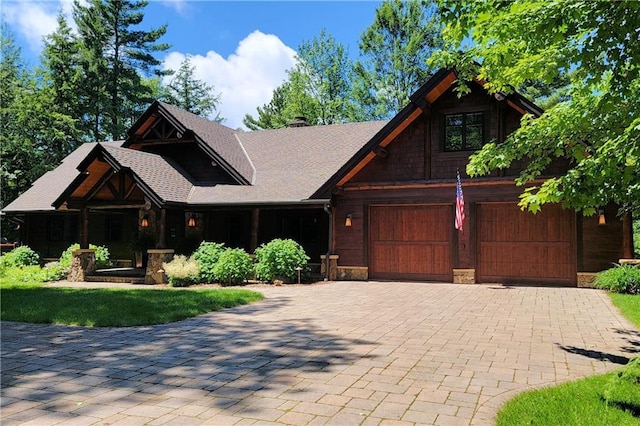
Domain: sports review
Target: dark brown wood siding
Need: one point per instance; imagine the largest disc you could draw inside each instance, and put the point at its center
(410, 242)
(601, 245)
(515, 246)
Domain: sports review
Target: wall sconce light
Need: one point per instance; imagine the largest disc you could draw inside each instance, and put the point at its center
(144, 222)
(347, 221)
(602, 219)
(191, 223)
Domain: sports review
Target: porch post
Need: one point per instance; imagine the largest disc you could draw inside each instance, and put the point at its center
(255, 222)
(162, 225)
(84, 228)
(627, 236)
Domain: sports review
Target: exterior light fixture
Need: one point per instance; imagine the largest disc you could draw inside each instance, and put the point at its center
(144, 222)
(347, 221)
(191, 223)
(602, 219)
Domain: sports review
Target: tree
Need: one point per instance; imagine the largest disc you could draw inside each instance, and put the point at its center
(193, 95)
(395, 50)
(114, 56)
(32, 130)
(317, 87)
(596, 127)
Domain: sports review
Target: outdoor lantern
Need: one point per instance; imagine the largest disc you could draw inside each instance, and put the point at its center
(144, 222)
(347, 221)
(192, 221)
(602, 220)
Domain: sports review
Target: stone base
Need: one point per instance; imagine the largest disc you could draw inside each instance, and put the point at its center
(83, 263)
(464, 276)
(352, 273)
(155, 273)
(333, 266)
(635, 262)
(586, 279)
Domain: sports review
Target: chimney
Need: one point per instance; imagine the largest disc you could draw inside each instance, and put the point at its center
(299, 121)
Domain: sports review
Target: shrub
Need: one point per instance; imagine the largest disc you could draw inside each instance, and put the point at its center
(181, 271)
(279, 259)
(54, 271)
(24, 274)
(207, 255)
(20, 256)
(233, 267)
(620, 279)
(102, 256)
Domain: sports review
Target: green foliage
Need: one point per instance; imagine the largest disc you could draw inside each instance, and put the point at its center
(233, 267)
(113, 307)
(279, 259)
(182, 271)
(620, 279)
(115, 52)
(20, 256)
(187, 92)
(595, 125)
(317, 88)
(623, 389)
(103, 257)
(395, 49)
(207, 255)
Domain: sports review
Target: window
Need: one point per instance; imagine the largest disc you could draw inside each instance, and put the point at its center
(56, 229)
(464, 132)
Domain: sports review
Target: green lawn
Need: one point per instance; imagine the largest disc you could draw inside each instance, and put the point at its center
(581, 403)
(34, 303)
(629, 305)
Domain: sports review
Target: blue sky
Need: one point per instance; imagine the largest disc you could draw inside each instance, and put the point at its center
(242, 48)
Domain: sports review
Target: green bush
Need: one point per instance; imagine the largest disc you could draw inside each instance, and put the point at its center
(624, 388)
(207, 255)
(20, 256)
(182, 271)
(279, 259)
(54, 271)
(620, 279)
(102, 256)
(23, 274)
(233, 267)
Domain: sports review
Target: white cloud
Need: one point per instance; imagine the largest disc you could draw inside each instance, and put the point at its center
(33, 20)
(179, 6)
(245, 79)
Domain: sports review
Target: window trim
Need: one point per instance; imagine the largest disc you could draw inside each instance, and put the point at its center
(464, 115)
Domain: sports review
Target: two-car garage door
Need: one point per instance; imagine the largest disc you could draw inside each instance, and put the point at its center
(415, 242)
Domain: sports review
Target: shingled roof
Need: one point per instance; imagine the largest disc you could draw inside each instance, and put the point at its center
(285, 166)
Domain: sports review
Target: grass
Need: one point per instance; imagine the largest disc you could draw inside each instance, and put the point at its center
(577, 403)
(581, 403)
(34, 303)
(629, 305)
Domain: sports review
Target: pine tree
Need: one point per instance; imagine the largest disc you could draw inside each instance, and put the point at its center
(191, 94)
(113, 56)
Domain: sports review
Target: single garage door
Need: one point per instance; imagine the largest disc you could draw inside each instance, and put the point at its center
(410, 242)
(516, 246)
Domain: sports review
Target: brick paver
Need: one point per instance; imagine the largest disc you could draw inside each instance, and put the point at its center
(333, 353)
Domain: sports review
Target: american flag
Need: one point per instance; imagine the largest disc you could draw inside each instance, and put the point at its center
(459, 205)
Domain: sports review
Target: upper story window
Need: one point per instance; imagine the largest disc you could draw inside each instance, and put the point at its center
(464, 132)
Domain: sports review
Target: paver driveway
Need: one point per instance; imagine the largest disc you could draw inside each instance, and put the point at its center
(336, 353)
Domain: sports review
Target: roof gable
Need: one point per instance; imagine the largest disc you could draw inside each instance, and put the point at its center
(217, 141)
(420, 101)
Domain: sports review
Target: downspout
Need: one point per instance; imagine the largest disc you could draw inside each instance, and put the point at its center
(327, 210)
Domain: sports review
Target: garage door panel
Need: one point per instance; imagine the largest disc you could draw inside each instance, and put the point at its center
(518, 246)
(410, 242)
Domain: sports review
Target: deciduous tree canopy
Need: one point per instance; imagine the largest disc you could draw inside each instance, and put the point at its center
(596, 125)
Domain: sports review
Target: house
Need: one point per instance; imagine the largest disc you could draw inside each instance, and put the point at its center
(378, 197)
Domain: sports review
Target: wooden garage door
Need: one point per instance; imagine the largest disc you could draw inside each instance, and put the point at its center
(410, 242)
(516, 246)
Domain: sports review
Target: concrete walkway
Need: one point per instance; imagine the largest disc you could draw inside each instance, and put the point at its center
(336, 353)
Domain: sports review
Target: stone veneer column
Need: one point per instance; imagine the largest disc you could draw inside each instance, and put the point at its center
(155, 273)
(333, 266)
(83, 263)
